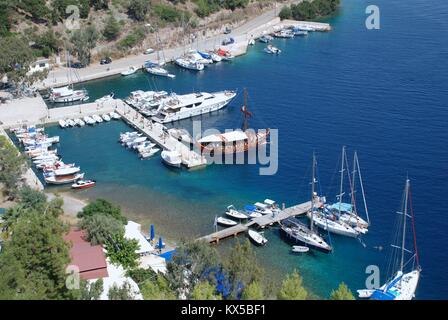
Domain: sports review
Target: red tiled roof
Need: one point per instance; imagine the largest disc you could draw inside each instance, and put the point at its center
(89, 259)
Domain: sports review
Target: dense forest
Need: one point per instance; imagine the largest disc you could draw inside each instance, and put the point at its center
(308, 10)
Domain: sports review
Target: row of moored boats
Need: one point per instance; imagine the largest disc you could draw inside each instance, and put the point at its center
(89, 120)
(136, 141)
(39, 147)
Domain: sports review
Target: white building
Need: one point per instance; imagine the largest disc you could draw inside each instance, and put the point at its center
(39, 66)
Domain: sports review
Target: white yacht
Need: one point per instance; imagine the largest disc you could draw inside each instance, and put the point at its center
(332, 225)
(131, 70)
(67, 94)
(189, 64)
(157, 70)
(194, 55)
(179, 107)
(172, 158)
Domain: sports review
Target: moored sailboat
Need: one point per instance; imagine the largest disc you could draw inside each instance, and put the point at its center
(403, 284)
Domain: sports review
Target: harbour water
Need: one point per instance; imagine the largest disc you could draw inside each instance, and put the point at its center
(381, 92)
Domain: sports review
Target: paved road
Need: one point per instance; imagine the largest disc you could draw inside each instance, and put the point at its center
(241, 34)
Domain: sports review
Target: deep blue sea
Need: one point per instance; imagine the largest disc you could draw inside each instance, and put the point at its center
(381, 92)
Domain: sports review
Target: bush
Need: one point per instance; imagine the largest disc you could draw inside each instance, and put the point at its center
(285, 13)
(132, 39)
(112, 28)
(167, 13)
(101, 206)
(138, 9)
(100, 228)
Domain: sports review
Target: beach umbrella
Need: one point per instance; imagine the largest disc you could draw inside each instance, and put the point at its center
(152, 233)
(160, 243)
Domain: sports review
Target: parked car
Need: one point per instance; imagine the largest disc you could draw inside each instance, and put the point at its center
(227, 30)
(228, 41)
(149, 51)
(77, 65)
(106, 60)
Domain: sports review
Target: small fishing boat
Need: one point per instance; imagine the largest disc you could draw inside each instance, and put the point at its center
(66, 171)
(149, 153)
(63, 180)
(285, 34)
(63, 123)
(226, 222)
(89, 120)
(300, 249)
(225, 54)
(215, 57)
(265, 39)
(257, 237)
(251, 42)
(131, 70)
(67, 94)
(108, 97)
(70, 122)
(97, 118)
(157, 70)
(272, 50)
(80, 123)
(262, 208)
(105, 117)
(145, 146)
(114, 115)
(232, 212)
(83, 184)
(300, 33)
(251, 211)
(136, 141)
(171, 158)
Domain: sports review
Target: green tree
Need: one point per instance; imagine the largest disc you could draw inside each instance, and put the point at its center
(30, 198)
(125, 292)
(84, 40)
(342, 293)
(138, 9)
(99, 4)
(242, 266)
(33, 259)
(111, 29)
(253, 291)
(132, 39)
(122, 251)
(193, 259)
(140, 275)
(204, 290)
(89, 291)
(285, 13)
(6, 9)
(36, 8)
(101, 206)
(16, 57)
(12, 164)
(157, 289)
(292, 288)
(101, 227)
(60, 7)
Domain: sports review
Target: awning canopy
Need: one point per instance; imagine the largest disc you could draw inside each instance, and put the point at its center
(232, 136)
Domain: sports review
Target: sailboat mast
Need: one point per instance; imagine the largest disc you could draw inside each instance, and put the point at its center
(312, 191)
(353, 191)
(342, 179)
(245, 111)
(405, 213)
(362, 188)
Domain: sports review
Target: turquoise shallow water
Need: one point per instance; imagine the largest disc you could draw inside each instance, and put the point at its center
(382, 92)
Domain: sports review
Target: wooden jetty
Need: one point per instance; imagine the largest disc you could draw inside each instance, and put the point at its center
(158, 134)
(260, 222)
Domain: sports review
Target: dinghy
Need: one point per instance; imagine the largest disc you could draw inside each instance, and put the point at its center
(226, 222)
(257, 237)
(300, 249)
(83, 184)
(232, 212)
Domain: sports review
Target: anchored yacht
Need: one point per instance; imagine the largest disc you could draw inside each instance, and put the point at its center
(179, 107)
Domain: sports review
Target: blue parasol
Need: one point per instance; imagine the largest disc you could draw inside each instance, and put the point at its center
(152, 233)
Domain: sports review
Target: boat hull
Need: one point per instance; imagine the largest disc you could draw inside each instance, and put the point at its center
(296, 240)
